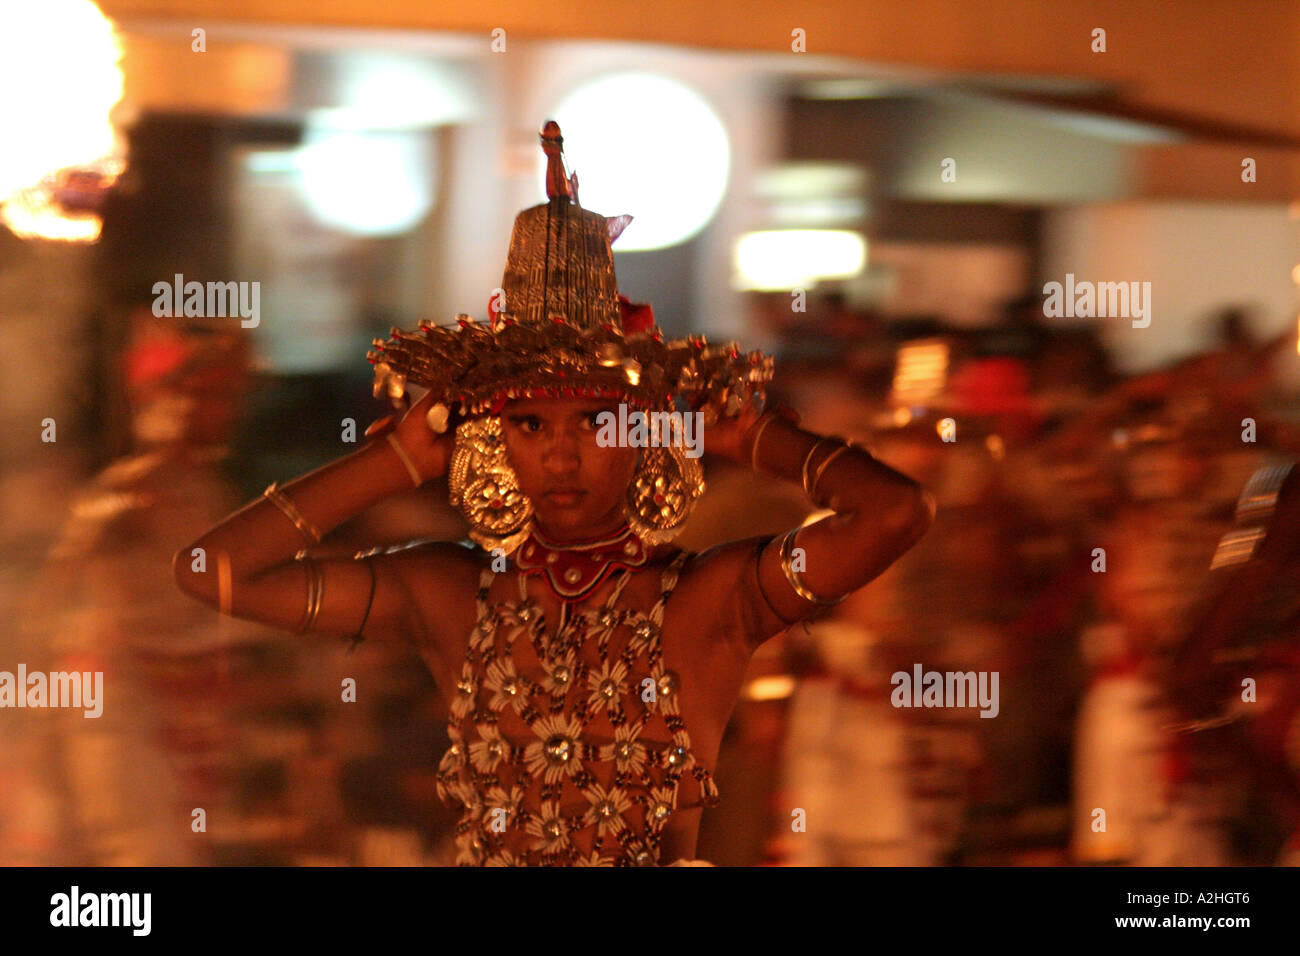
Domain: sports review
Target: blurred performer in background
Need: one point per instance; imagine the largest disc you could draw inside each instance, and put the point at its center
(1237, 676)
(1160, 808)
(883, 786)
(594, 667)
(130, 779)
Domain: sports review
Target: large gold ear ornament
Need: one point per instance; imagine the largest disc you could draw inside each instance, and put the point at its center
(663, 493)
(483, 485)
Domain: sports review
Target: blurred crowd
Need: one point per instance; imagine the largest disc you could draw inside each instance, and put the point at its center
(1080, 513)
(1079, 516)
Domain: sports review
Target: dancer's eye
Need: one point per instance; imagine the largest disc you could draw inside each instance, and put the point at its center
(591, 421)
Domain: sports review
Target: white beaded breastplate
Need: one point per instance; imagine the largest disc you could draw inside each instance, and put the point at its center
(567, 748)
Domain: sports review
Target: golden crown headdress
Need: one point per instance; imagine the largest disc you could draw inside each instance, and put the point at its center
(559, 328)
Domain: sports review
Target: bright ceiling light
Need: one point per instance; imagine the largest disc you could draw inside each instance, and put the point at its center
(647, 146)
(390, 90)
(781, 259)
(367, 183)
(60, 75)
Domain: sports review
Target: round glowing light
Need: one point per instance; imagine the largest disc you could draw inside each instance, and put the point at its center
(368, 183)
(647, 146)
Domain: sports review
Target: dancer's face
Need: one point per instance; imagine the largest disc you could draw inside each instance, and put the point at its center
(577, 487)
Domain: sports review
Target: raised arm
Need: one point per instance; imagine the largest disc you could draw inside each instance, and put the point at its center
(255, 563)
(879, 514)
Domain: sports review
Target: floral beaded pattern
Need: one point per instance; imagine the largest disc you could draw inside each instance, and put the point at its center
(568, 748)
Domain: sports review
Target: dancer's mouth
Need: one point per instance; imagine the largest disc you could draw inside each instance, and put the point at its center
(565, 497)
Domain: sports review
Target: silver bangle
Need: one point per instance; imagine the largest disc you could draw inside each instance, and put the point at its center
(315, 595)
(406, 458)
(808, 461)
(764, 421)
(791, 575)
(821, 469)
(281, 501)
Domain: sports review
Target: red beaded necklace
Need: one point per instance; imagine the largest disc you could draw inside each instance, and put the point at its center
(574, 569)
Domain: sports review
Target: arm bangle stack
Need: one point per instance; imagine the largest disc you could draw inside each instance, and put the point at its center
(759, 547)
(791, 575)
(315, 594)
(808, 460)
(281, 501)
(406, 458)
(821, 469)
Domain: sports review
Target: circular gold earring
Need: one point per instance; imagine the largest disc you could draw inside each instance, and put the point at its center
(663, 493)
(484, 486)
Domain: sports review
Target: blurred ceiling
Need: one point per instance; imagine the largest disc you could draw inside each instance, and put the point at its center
(1222, 74)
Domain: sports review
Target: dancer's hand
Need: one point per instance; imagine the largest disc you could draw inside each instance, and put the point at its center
(728, 436)
(429, 450)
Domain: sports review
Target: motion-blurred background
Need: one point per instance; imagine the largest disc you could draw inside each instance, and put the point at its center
(877, 192)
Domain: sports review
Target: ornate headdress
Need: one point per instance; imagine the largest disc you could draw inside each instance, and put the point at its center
(558, 328)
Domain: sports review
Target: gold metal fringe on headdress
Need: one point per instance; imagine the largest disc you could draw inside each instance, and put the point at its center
(561, 332)
(560, 329)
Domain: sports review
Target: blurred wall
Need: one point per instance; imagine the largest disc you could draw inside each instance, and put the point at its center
(1197, 257)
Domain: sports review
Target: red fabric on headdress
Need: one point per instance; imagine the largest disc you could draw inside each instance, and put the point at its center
(637, 317)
